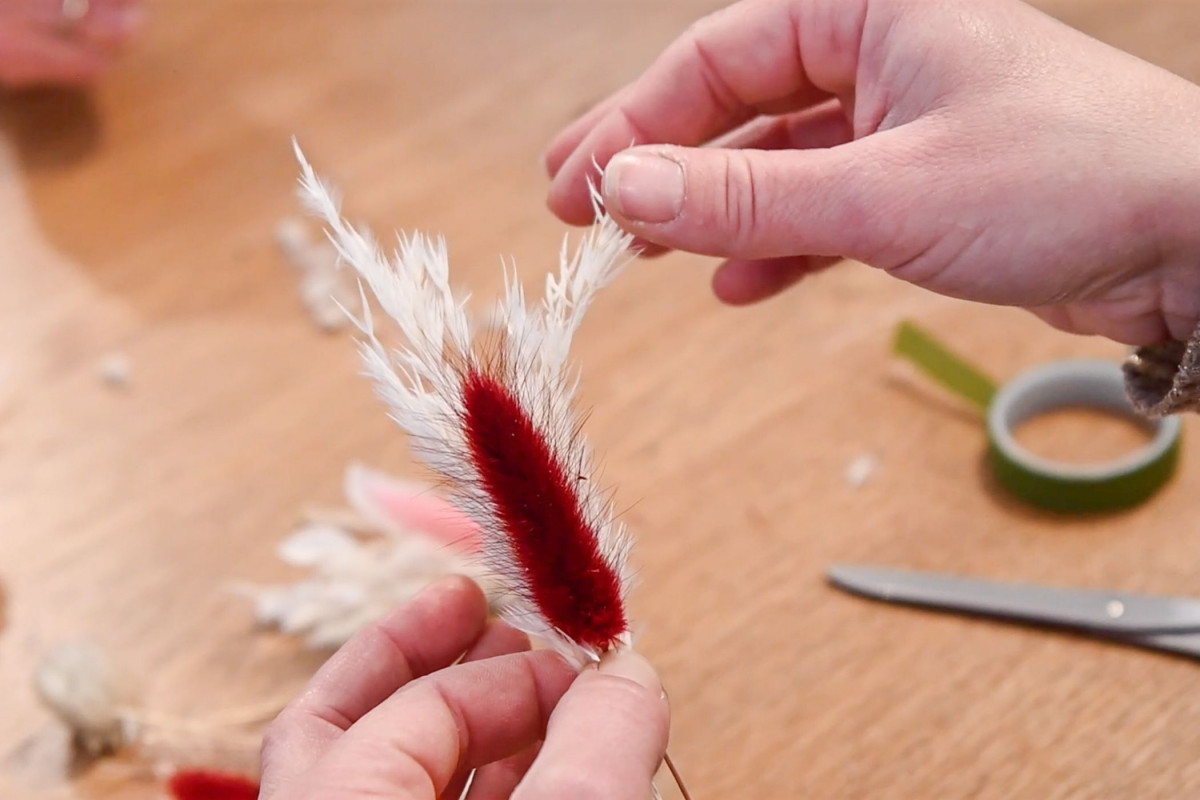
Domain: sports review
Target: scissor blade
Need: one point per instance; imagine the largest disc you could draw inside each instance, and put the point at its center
(1096, 611)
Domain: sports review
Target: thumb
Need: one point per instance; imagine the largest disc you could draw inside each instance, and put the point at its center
(754, 204)
(606, 737)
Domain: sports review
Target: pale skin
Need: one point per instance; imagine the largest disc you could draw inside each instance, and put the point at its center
(977, 148)
(974, 147)
(392, 715)
(40, 45)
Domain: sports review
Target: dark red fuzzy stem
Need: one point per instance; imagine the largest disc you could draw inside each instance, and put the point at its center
(535, 497)
(200, 784)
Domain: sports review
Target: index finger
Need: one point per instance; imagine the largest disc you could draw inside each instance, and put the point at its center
(427, 634)
(758, 56)
(414, 743)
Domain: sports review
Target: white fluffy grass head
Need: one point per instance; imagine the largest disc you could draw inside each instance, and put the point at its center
(424, 373)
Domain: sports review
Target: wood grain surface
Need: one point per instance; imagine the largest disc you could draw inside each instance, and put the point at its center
(138, 220)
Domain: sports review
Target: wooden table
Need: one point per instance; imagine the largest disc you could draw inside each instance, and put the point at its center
(139, 221)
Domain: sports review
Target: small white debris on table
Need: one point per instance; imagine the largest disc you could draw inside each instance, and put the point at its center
(861, 469)
(91, 694)
(115, 369)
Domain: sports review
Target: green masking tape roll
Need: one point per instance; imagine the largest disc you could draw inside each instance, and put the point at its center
(1065, 488)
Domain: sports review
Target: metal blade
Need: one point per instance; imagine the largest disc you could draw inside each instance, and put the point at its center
(1110, 613)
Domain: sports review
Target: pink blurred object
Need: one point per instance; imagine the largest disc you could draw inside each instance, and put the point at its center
(392, 503)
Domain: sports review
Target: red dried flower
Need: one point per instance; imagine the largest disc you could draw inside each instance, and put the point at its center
(197, 784)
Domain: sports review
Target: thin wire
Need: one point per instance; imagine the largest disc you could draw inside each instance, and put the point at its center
(678, 778)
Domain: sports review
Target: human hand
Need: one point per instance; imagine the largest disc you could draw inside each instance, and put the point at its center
(977, 148)
(62, 42)
(389, 717)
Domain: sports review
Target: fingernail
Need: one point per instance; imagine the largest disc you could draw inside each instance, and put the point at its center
(644, 187)
(631, 666)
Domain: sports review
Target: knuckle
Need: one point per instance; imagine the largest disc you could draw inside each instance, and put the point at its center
(712, 22)
(400, 771)
(706, 32)
(739, 203)
(698, 29)
(275, 737)
(275, 742)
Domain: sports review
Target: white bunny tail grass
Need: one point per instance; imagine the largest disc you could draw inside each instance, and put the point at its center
(494, 417)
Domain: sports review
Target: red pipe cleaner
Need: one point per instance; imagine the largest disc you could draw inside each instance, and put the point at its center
(494, 418)
(199, 784)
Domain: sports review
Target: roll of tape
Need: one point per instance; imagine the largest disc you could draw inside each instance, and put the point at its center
(1064, 488)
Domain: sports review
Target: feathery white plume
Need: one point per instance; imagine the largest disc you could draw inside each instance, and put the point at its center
(495, 419)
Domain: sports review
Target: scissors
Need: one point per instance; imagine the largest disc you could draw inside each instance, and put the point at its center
(1168, 624)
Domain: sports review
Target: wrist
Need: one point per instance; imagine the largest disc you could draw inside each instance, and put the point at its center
(1174, 215)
